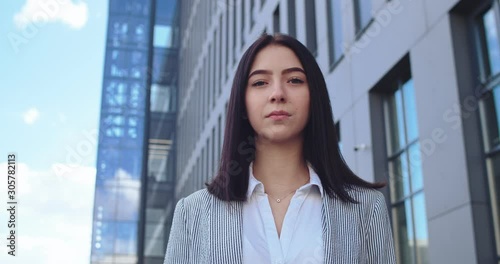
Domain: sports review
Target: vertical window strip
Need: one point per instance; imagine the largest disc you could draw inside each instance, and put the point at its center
(406, 191)
(488, 48)
(335, 34)
(311, 26)
(292, 30)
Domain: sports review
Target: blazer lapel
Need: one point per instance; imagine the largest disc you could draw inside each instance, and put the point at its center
(226, 233)
(327, 230)
(341, 244)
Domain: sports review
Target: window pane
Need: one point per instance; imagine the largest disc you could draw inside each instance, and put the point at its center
(161, 98)
(105, 203)
(130, 7)
(410, 111)
(403, 233)
(155, 235)
(490, 25)
(291, 18)
(422, 240)
(162, 36)
(276, 20)
(128, 204)
(154, 214)
(154, 247)
(108, 159)
(493, 165)
(115, 93)
(104, 236)
(311, 27)
(491, 118)
(396, 123)
(164, 67)
(126, 238)
(137, 98)
(400, 180)
(157, 167)
(417, 181)
(165, 10)
(252, 8)
(243, 21)
(128, 32)
(116, 63)
(335, 30)
(130, 166)
(138, 64)
(363, 14)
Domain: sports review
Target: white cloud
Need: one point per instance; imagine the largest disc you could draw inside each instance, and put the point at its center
(54, 215)
(31, 116)
(41, 12)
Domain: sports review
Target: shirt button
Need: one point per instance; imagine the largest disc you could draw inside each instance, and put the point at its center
(279, 261)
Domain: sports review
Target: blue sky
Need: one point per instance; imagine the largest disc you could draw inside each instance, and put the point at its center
(50, 79)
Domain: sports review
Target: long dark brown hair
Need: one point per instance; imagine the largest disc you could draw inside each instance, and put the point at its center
(321, 148)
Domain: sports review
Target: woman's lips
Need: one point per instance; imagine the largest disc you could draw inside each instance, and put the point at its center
(279, 117)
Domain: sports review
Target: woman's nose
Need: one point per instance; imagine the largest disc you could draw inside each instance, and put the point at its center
(278, 94)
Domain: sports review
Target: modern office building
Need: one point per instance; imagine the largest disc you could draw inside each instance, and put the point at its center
(414, 86)
(136, 153)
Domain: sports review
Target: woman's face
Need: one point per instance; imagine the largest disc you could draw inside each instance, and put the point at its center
(277, 82)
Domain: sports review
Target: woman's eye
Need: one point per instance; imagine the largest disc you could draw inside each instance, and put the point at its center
(258, 83)
(296, 81)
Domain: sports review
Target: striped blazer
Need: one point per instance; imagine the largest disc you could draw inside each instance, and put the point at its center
(206, 229)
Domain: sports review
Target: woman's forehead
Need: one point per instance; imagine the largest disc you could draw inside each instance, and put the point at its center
(275, 57)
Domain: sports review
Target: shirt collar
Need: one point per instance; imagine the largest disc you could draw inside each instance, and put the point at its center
(254, 184)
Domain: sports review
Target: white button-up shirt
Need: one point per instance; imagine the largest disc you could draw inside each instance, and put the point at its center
(301, 238)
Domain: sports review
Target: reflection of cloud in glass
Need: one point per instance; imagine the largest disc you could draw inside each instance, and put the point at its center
(128, 204)
(116, 203)
(126, 238)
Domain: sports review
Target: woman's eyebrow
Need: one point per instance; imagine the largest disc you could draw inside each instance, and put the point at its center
(293, 69)
(285, 71)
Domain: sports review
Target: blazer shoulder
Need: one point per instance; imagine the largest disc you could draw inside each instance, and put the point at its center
(367, 197)
(198, 198)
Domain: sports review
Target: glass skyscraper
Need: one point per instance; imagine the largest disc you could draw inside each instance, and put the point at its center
(134, 197)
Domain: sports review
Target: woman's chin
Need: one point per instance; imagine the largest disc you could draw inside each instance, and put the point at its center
(278, 138)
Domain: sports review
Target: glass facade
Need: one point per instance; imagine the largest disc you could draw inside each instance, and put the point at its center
(407, 197)
(132, 211)
(488, 32)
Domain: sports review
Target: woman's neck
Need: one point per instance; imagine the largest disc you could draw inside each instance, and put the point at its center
(280, 167)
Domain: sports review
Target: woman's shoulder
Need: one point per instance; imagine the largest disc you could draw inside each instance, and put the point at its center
(202, 202)
(367, 198)
(365, 195)
(197, 198)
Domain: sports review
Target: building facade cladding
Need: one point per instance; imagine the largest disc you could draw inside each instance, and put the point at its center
(403, 82)
(136, 160)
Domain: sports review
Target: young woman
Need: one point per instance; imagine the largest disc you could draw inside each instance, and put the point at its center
(282, 193)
